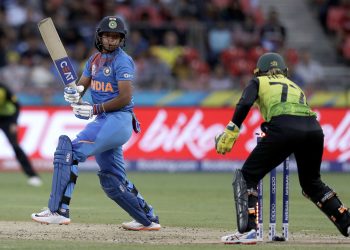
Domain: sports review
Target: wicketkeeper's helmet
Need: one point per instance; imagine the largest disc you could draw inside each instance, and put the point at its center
(109, 24)
(270, 61)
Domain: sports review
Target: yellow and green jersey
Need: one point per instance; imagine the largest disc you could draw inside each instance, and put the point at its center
(8, 102)
(278, 95)
(275, 95)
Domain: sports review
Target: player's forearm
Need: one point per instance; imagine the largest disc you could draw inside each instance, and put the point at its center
(116, 103)
(84, 81)
(249, 95)
(240, 114)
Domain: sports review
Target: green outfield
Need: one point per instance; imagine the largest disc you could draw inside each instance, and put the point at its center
(195, 209)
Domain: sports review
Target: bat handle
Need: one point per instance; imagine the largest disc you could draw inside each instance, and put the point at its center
(72, 85)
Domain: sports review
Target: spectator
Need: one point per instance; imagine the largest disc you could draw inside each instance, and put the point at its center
(295, 77)
(219, 39)
(19, 12)
(152, 73)
(309, 70)
(31, 48)
(170, 50)
(78, 54)
(196, 80)
(15, 74)
(220, 79)
(186, 9)
(137, 44)
(3, 44)
(209, 13)
(182, 68)
(43, 81)
(323, 9)
(292, 58)
(273, 33)
(233, 12)
(247, 34)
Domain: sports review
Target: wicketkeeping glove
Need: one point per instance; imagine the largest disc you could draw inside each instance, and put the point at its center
(72, 95)
(225, 141)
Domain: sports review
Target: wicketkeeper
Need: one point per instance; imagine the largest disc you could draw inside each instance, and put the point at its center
(109, 74)
(290, 127)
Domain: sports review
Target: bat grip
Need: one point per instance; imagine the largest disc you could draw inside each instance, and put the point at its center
(72, 85)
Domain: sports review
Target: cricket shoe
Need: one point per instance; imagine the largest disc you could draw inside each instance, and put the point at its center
(35, 181)
(48, 217)
(136, 226)
(247, 238)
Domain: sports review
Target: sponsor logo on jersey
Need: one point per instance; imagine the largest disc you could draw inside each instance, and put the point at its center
(126, 75)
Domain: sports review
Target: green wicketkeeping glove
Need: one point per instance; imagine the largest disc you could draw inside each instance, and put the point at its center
(225, 141)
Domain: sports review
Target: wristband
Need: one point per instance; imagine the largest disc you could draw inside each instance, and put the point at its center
(98, 109)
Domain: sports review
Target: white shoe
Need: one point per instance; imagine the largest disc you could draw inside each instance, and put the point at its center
(48, 217)
(136, 226)
(248, 238)
(35, 181)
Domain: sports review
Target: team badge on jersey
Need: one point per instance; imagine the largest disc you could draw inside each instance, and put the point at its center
(107, 71)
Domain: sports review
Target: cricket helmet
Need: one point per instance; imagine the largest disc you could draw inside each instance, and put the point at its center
(270, 61)
(109, 24)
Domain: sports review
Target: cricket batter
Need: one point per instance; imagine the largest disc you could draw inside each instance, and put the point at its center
(9, 111)
(290, 127)
(109, 75)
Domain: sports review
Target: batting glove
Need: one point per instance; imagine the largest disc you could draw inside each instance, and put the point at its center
(83, 110)
(72, 95)
(86, 111)
(225, 141)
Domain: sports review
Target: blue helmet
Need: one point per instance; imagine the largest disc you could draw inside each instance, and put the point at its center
(109, 24)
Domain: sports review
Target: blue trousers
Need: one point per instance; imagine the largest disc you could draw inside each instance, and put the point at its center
(104, 138)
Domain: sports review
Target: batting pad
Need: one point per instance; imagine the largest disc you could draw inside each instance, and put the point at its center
(62, 171)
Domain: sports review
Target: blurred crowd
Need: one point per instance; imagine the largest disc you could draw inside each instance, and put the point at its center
(334, 16)
(189, 45)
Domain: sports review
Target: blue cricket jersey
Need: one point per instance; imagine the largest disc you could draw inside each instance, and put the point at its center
(105, 71)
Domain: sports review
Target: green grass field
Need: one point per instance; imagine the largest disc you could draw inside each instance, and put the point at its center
(182, 200)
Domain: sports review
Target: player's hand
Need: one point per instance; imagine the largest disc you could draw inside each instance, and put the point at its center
(225, 141)
(83, 110)
(72, 95)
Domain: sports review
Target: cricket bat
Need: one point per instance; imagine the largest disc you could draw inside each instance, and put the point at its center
(57, 52)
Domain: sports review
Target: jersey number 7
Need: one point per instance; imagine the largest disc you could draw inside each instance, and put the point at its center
(284, 93)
